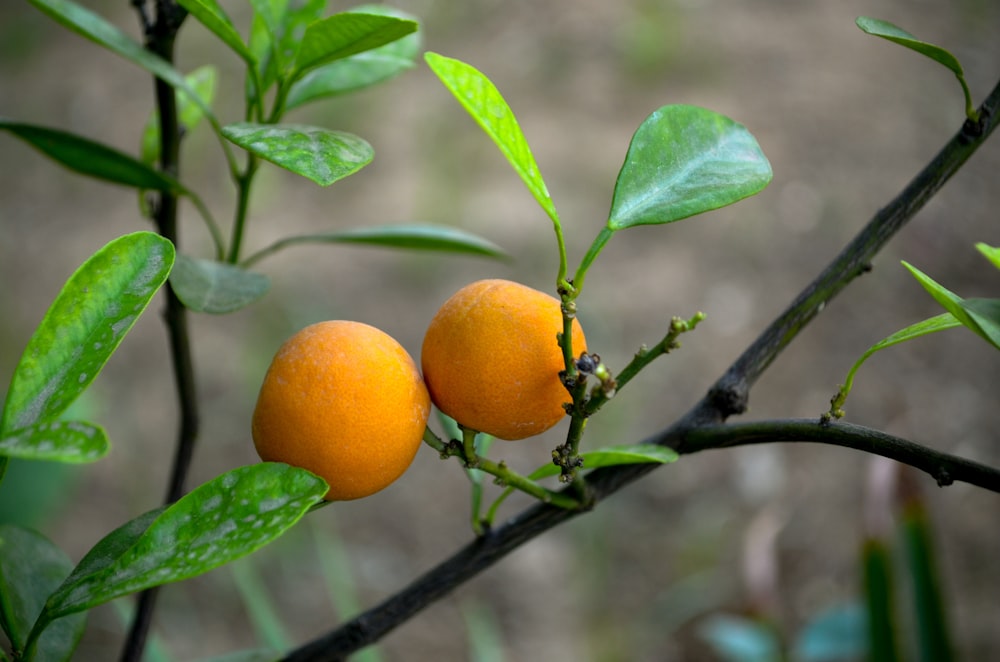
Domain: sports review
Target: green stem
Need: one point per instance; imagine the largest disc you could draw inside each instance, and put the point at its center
(600, 241)
(970, 109)
(243, 184)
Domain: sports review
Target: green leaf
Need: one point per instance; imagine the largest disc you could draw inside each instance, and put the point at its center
(93, 27)
(878, 584)
(407, 236)
(213, 17)
(992, 254)
(31, 568)
(954, 305)
(218, 522)
(931, 610)
(615, 455)
(202, 81)
(682, 161)
(481, 99)
(91, 158)
(89, 318)
(923, 328)
(207, 286)
(834, 635)
(360, 70)
(322, 155)
(73, 442)
(895, 34)
(986, 314)
(260, 606)
(345, 34)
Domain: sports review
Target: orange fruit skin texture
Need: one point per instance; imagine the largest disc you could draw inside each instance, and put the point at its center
(345, 401)
(491, 360)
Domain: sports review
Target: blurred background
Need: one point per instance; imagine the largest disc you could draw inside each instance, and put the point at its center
(846, 120)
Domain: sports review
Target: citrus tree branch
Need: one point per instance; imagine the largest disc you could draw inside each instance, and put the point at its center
(161, 34)
(702, 427)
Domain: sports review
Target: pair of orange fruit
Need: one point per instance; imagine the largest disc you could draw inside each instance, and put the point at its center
(346, 401)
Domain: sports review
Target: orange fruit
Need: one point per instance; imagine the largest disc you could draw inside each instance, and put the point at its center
(345, 401)
(491, 360)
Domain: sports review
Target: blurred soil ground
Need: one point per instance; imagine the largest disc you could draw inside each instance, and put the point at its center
(845, 119)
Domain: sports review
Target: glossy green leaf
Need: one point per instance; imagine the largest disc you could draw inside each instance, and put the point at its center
(31, 568)
(89, 318)
(613, 456)
(73, 442)
(91, 26)
(207, 286)
(213, 17)
(954, 305)
(322, 155)
(880, 604)
(218, 522)
(682, 161)
(483, 101)
(833, 635)
(91, 158)
(992, 254)
(202, 81)
(360, 70)
(345, 34)
(893, 33)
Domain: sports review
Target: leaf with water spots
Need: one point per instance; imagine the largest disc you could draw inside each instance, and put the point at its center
(85, 324)
(224, 519)
(73, 442)
(322, 155)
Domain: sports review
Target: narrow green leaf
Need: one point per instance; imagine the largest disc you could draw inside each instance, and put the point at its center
(881, 613)
(93, 27)
(91, 158)
(212, 16)
(72, 442)
(31, 568)
(895, 34)
(207, 286)
(923, 328)
(360, 70)
(259, 605)
(407, 236)
(254, 655)
(682, 161)
(483, 101)
(613, 456)
(218, 522)
(345, 34)
(953, 304)
(992, 254)
(322, 155)
(202, 81)
(932, 627)
(89, 318)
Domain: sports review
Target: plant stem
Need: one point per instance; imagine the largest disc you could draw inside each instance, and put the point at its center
(243, 185)
(160, 39)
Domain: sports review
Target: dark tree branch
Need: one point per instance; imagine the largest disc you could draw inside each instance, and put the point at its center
(160, 38)
(701, 428)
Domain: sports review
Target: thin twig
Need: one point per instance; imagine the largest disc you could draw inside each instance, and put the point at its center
(728, 396)
(160, 39)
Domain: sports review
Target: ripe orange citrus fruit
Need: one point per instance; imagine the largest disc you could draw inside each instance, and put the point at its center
(491, 359)
(345, 401)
